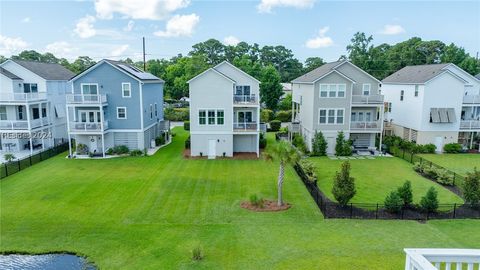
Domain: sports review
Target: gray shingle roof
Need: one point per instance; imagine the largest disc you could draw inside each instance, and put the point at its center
(8, 74)
(313, 75)
(135, 72)
(477, 76)
(48, 71)
(415, 74)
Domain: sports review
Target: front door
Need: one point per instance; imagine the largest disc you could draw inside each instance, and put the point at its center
(93, 144)
(331, 145)
(439, 144)
(212, 151)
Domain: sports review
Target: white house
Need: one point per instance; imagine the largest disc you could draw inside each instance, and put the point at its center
(338, 96)
(224, 112)
(32, 106)
(438, 103)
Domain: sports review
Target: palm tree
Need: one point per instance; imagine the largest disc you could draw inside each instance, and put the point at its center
(9, 157)
(286, 154)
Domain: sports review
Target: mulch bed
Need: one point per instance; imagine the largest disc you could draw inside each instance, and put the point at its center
(268, 206)
(237, 156)
(454, 189)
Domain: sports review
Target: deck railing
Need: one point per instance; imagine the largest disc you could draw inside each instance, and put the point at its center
(471, 99)
(245, 126)
(22, 97)
(367, 99)
(470, 124)
(366, 125)
(86, 99)
(88, 127)
(435, 259)
(23, 124)
(244, 99)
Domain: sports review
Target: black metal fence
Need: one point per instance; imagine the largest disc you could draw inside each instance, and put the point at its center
(332, 209)
(15, 166)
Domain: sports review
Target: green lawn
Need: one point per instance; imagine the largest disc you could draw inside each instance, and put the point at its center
(375, 178)
(149, 212)
(459, 163)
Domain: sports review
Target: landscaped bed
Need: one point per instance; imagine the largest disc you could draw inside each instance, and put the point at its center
(376, 178)
(459, 163)
(151, 212)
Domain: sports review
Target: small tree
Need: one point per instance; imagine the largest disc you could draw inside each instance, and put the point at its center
(9, 157)
(393, 202)
(286, 154)
(471, 187)
(270, 87)
(429, 202)
(344, 185)
(319, 144)
(405, 193)
(339, 147)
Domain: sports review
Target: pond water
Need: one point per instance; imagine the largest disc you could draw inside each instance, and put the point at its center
(44, 262)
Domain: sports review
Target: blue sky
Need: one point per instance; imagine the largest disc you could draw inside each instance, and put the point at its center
(113, 28)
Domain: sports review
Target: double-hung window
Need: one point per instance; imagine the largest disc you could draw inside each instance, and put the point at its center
(323, 117)
(341, 90)
(340, 116)
(366, 89)
(202, 117)
(211, 117)
(332, 90)
(402, 93)
(323, 90)
(331, 116)
(220, 117)
(21, 115)
(3, 113)
(121, 112)
(126, 90)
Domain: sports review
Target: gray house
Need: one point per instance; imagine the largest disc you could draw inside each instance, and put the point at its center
(224, 112)
(338, 96)
(113, 103)
(32, 106)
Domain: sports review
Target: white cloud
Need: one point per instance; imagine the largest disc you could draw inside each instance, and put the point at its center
(84, 27)
(129, 26)
(179, 25)
(26, 20)
(266, 6)
(60, 49)
(119, 50)
(320, 41)
(138, 9)
(392, 29)
(11, 45)
(231, 40)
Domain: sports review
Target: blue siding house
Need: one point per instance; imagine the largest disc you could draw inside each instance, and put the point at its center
(113, 103)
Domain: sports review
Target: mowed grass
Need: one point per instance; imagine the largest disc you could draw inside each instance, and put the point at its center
(459, 163)
(150, 212)
(376, 178)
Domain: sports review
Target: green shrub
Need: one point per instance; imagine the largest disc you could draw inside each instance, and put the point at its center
(344, 185)
(430, 172)
(266, 115)
(299, 143)
(471, 187)
(136, 153)
(197, 254)
(109, 151)
(452, 148)
(187, 143)
(160, 140)
(343, 147)
(82, 149)
(429, 202)
(319, 144)
(419, 167)
(405, 193)
(284, 116)
(429, 148)
(257, 201)
(309, 169)
(262, 141)
(120, 149)
(393, 202)
(444, 177)
(275, 125)
(9, 157)
(186, 125)
(177, 114)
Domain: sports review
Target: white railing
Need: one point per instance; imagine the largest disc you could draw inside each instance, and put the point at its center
(245, 126)
(370, 99)
(433, 259)
(14, 124)
(39, 122)
(88, 127)
(370, 125)
(86, 99)
(22, 97)
(470, 124)
(471, 99)
(244, 99)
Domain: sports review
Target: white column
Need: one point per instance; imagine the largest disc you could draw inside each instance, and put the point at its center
(381, 128)
(27, 107)
(258, 145)
(68, 131)
(103, 144)
(471, 139)
(101, 128)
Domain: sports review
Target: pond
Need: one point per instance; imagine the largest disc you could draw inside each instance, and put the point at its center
(44, 262)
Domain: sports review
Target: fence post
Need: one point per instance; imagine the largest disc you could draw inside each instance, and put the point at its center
(351, 210)
(30, 159)
(376, 212)
(403, 210)
(454, 176)
(403, 155)
(6, 170)
(454, 210)
(18, 162)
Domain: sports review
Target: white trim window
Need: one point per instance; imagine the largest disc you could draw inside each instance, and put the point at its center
(121, 112)
(126, 90)
(366, 89)
(220, 117)
(402, 93)
(211, 117)
(156, 110)
(151, 111)
(332, 90)
(3, 113)
(202, 117)
(331, 116)
(416, 90)
(30, 88)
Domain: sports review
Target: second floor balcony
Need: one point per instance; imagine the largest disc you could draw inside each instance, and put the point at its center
(86, 99)
(23, 124)
(245, 99)
(469, 124)
(365, 126)
(245, 126)
(367, 99)
(471, 99)
(88, 127)
(22, 97)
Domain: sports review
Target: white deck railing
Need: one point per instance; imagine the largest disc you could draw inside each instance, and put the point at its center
(370, 125)
(470, 124)
(471, 99)
(88, 127)
(246, 126)
(23, 124)
(244, 99)
(370, 99)
(436, 259)
(22, 97)
(86, 99)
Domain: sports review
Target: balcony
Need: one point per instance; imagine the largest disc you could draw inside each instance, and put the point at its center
(367, 100)
(23, 124)
(434, 259)
(22, 97)
(86, 99)
(471, 99)
(470, 124)
(83, 127)
(246, 126)
(245, 100)
(365, 126)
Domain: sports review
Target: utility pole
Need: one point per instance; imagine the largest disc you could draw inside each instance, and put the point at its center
(144, 63)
